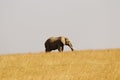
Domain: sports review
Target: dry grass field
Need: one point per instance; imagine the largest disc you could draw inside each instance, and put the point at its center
(77, 65)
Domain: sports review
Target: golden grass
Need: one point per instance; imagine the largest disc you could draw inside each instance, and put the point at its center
(77, 65)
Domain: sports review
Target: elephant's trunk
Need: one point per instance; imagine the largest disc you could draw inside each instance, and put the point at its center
(72, 48)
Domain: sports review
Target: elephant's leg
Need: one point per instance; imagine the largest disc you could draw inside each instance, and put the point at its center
(47, 50)
(60, 49)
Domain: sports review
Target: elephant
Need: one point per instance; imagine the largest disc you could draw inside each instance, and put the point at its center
(54, 43)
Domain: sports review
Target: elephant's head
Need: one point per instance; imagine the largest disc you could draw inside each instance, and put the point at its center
(68, 43)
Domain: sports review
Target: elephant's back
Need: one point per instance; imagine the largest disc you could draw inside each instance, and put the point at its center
(51, 40)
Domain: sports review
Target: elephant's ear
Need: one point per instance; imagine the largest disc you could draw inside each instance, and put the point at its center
(62, 40)
(67, 41)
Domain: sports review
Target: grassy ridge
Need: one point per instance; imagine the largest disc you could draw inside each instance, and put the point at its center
(77, 65)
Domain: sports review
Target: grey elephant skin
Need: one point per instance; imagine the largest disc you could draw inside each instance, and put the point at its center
(54, 43)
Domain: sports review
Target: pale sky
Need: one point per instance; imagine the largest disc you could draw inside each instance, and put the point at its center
(90, 24)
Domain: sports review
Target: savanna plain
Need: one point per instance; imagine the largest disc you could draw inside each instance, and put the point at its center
(76, 65)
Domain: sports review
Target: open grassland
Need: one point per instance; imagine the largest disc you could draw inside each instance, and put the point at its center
(77, 65)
